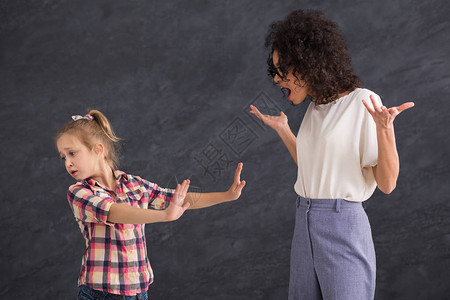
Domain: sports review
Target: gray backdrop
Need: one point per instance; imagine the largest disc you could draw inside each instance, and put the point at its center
(175, 78)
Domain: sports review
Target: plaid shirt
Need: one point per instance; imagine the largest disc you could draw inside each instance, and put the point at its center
(115, 260)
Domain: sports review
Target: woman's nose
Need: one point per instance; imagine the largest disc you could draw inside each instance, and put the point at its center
(276, 79)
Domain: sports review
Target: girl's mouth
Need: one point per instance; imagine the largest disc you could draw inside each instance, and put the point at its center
(73, 173)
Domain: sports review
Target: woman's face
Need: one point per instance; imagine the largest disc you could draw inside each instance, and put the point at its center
(297, 89)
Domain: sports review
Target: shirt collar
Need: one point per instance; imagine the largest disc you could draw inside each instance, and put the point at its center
(119, 175)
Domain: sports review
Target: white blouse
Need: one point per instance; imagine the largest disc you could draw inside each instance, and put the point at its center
(337, 148)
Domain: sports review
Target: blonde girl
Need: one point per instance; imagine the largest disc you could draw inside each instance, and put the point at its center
(112, 208)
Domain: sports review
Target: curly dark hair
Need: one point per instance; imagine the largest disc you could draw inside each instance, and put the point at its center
(312, 47)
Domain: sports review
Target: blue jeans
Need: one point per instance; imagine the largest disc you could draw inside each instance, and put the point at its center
(86, 293)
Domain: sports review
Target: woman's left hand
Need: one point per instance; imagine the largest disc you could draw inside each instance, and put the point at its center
(383, 116)
(234, 192)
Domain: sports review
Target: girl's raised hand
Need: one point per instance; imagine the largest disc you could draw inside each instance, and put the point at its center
(234, 192)
(274, 122)
(177, 207)
(383, 116)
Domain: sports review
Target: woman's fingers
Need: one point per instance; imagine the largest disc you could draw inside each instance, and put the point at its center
(405, 106)
(382, 115)
(256, 112)
(368, 107)
(375, 104)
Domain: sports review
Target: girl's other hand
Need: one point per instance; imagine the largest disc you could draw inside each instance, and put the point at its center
(383, 116)
(234, 192)
(177, 207)
(274, 122)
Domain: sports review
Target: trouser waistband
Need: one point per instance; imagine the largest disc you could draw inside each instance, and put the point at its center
(327, 204)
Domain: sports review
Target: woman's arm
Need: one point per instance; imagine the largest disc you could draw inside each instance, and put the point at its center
(387, 169)
(126, 214)
(281, 126)
(201, 200)
(290, 141)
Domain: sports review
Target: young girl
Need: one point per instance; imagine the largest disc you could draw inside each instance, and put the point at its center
(345, 147)
(112, 208)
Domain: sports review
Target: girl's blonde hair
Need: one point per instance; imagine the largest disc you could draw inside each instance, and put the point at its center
(93, 131)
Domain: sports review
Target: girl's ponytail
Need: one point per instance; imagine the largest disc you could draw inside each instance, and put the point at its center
(104, 124)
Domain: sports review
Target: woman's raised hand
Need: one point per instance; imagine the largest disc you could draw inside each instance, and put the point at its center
(274, 122)
(234, 192)
(177, 207)
(383, 116)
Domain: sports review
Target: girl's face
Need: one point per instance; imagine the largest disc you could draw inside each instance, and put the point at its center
(296, 88)
(80, 162)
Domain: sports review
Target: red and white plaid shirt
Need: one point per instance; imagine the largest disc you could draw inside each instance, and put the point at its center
(115, 260)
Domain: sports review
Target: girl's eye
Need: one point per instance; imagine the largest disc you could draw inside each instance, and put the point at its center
(72, 153)
(63, 158)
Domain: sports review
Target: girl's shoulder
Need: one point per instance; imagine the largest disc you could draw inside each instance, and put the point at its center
(84, 184)
(135, 181)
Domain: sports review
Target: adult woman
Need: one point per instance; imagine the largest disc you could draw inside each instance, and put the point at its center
(345, 147)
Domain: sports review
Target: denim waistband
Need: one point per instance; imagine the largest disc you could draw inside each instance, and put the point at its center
(107, 296)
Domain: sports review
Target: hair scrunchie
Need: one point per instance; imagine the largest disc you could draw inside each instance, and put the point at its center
(87, 117)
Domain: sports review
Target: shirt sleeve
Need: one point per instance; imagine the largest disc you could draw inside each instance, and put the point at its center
(368, 146)
(159, 198)
(87, 206)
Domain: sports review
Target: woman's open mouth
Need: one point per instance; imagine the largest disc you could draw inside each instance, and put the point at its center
(286, 92)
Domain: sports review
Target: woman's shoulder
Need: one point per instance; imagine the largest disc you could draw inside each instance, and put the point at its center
(354, 98)
(363, 92)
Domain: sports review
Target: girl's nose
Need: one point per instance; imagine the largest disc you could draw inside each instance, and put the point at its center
(68, 163)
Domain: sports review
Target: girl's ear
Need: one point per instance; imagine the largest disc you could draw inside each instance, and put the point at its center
(99, 149)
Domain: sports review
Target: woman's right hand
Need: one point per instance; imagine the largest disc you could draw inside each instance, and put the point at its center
(274, 122)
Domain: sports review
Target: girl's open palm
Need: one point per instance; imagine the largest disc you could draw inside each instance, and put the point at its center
(274, 122)
(383, 116)
(234, 191)
(177, 207)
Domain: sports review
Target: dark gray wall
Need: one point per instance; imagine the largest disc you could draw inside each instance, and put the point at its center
(175, 78)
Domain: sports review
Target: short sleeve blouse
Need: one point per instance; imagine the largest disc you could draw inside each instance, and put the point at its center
(337, 148)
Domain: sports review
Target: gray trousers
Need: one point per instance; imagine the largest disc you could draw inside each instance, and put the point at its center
(332, 254)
